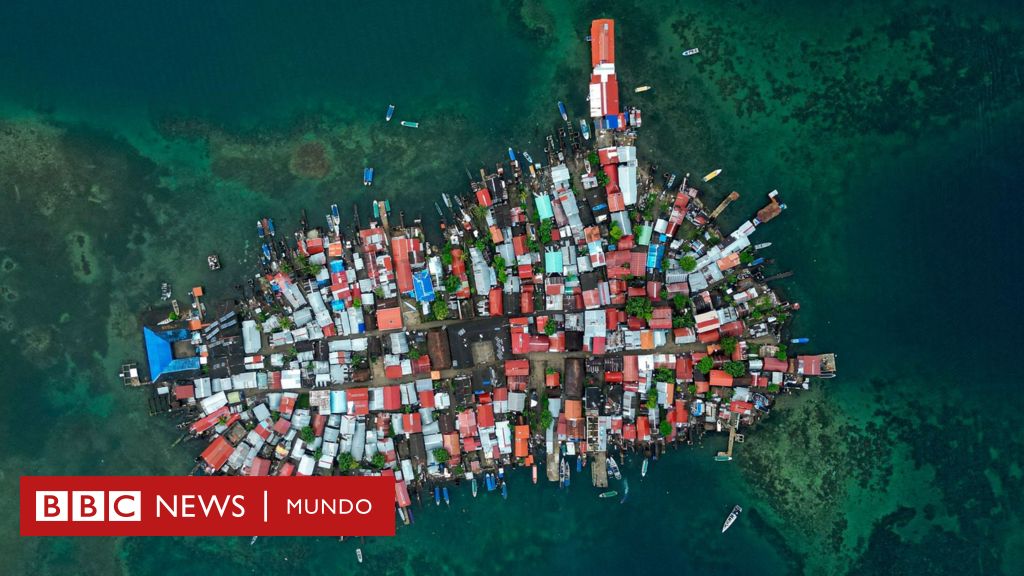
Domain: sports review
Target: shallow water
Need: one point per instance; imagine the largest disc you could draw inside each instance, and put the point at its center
(133, 142)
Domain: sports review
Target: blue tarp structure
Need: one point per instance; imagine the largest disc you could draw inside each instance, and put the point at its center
(655, 252)
(423, 288)
(337, 266)
(544, 210)
(160, 355)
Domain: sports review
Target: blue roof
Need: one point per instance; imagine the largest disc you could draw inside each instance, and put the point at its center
(423, 288)
(160, 355)
(612, 121)
(654, 255)
(337, 266)
(544, 210)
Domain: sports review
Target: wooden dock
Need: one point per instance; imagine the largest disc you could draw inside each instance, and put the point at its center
(599, 470)
(552, 467)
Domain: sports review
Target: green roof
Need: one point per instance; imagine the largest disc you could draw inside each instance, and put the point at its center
(553, 262)
(544, 207)
(643, 235)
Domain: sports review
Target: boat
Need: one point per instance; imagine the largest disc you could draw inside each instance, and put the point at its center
(367, 176)
(447, 200)
(444, 491)
(391, 112)
(585, 128)
(253, 541)
(691, 52)
(563, 471)
(643, 469)
(266, 251)
(437, 495)
(501, 473)
(712, 175)
(723, 458)
(511, 154)
(504, 490)
(438, 207)
(614, 468)
(534, 473)
(561, 110)
(335, 213)
(472, 484)
(409, 124)
(376, 211)
(799, 340)
(489, 480)
(762, 245)
(259, 228)
(640, 89)
(270, 227)
(608, 494)
(387, 206)
(625, 495)
(579, 464)
(526, 155)
(671, 182)
(731, 518)
(213, 261)
(359, 555)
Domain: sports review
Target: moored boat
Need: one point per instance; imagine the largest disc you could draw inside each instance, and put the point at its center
(504, 490)
(640, 89)
(723, 458)
(409, 124)
(762, 245)
(799, 340)
(444, 491)
(561, 110)
(270, 227)
(253, 541)
(367, 176)
(614, 468)
(259, 228)
(691, 52)
(437, 495)
(585, 128)
(511, 154)
(359, 555)
(526, 155)
(712, 175)
(579, 464)
(534, 473)
(608, 494)
(391, 112)
(643, 469)
(731, 518)
(472, 484)
(671, 182)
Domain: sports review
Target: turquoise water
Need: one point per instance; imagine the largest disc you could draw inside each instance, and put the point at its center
(134, 140)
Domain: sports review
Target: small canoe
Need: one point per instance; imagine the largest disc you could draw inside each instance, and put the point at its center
(409, 124)
(691, 52)
(640, 89)
(643, 469)
(722, 458)
(799, 340)
(534, 473)
(608, 494)
(445, 492)
(712, 175)
(504, 490)
(437, 495)
(359, 555)
(473, 486)
(391, 112)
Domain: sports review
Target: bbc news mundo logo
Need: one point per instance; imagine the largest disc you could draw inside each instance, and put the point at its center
(89, 506)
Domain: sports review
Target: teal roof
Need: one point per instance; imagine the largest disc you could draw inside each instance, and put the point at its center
(643, 237)
(553, 262)
(544, 207)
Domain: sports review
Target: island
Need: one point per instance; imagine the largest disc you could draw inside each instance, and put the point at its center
(570, 310)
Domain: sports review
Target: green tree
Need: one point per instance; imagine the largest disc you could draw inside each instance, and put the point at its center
(665, 428)
(415, 353)
(688, 263)
(549, 327)
(347, 462)
(640, 307)
(728, 345)
(652, 399)
(773, 388)
(439, 308)
(692, 389)
(735, 369)
(378, 460)
(615, 232)
(781, 354)
(307, 434)
(746, 257)
(544, 231)
(357, 302)
(593, 159)
(602, 178)
(452, 283)
(441, 455)
(664, 375)
(318, 454)
(706, 364)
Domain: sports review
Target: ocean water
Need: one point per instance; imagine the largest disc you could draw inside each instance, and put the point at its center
(136, 139)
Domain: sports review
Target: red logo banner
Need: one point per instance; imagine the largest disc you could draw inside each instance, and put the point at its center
(207, 506)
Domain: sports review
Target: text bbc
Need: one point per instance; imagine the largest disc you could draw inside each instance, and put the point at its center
(89, 506)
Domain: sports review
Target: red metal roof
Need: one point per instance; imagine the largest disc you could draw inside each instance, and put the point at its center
(412, 423)
(389, 319)
(495, 302)
(427, 398)
(720, 378)
(392, 398)
(602, 41)
(517, 368)
(485, 415)
(260, 467)
(217, 453)
(359, 400)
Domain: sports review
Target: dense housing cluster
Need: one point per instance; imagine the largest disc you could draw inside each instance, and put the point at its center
(568, 309)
